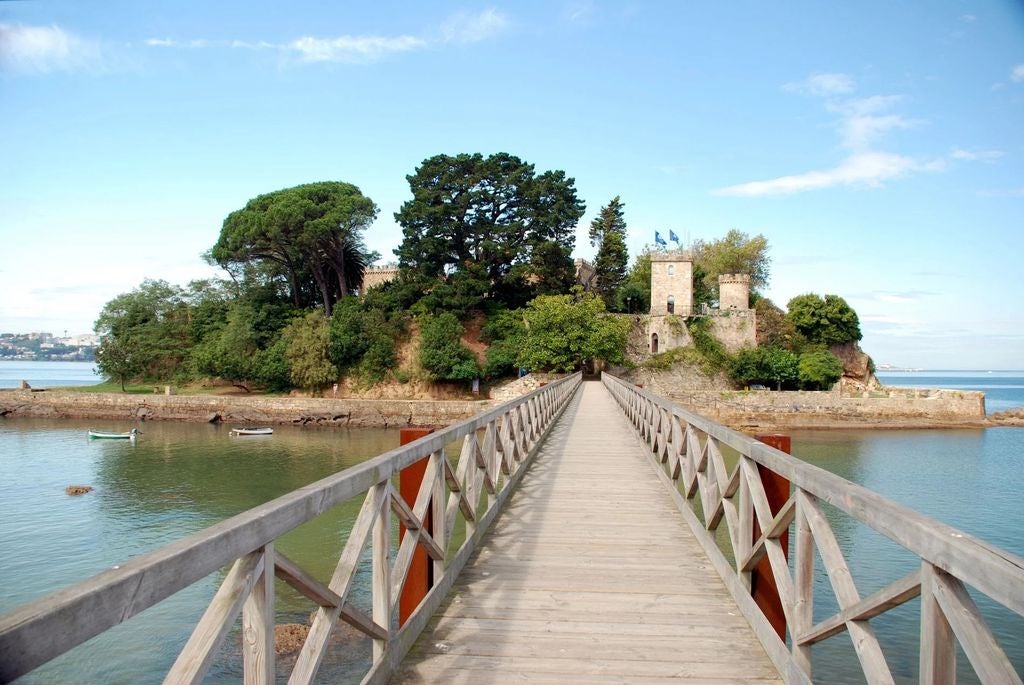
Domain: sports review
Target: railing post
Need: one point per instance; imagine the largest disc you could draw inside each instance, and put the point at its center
(381, 569)
(803, 612)
(258, 626)
(762, 581)
(421, 574)
(938, 645)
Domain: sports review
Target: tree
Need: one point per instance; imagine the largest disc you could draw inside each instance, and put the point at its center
(494, 213)
(774, 329)
(309, 235)
(824, 321)
(306, 352)
(363, 338)
(608, 234)
(115, 358)
(149, 326)
(442, 353)
(230, 352)
(735, 253)
(566, 332)
(638, 285)
(819, 370)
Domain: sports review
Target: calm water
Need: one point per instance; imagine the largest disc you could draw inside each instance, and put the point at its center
(47, 374)
(180, 478)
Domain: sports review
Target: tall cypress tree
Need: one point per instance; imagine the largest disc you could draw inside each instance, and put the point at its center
(608, 233)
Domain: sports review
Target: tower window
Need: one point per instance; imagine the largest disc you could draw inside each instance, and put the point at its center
(654, 343)
(671, 304)
(671, 269)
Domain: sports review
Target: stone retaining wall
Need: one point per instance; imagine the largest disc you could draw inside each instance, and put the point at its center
(895, 407)
(240, 410)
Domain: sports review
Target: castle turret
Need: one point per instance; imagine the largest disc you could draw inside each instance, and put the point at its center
(671, 283)
(734, 291)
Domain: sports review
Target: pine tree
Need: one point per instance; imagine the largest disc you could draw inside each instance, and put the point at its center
(608, 233)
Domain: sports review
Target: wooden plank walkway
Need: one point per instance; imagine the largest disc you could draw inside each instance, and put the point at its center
(589, 576)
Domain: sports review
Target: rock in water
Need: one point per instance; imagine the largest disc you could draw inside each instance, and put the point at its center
(78, 489)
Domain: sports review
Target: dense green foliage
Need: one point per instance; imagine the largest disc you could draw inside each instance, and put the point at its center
(568, 332)
(608, 234)
(768, 366)
(442, 354)
(504, 333)
(306, 352)
(486, 240)
(736, 253)
(491, 219)
(144, 333)
(635, 293)
(824, 321)
(819, 370)
(308, 238)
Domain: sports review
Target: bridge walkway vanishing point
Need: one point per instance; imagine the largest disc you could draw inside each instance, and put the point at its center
(589, 576)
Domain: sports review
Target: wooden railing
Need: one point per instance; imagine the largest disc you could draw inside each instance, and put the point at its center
(689, 454)
(496, 446)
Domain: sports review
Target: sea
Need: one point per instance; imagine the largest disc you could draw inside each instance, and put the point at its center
(178, 478)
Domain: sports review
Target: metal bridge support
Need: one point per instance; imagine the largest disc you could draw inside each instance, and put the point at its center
(762, 582)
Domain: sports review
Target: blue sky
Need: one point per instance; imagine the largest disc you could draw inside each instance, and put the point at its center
(879, 146)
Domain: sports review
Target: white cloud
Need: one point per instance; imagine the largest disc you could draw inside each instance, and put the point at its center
(823, 85)
(968, 18)
(42, 49)
(862, 119)
(975, 155)
(473, 28)
(868, 169)
(1017, 73)
(459, 28)
(351, 49)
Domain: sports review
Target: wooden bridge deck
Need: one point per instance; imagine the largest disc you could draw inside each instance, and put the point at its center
(589, 576)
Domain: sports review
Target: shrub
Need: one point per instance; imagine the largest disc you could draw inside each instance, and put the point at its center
(442, 354)
(819, 370)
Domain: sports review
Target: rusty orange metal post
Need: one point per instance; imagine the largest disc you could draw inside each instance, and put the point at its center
(762, 582)
(421, 571)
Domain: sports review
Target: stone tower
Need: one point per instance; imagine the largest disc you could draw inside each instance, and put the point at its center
(671, 283)
(733, 291)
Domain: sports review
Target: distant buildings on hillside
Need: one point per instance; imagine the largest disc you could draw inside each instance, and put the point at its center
(48, 347)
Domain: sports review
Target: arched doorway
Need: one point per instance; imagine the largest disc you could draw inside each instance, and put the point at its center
(654, 343)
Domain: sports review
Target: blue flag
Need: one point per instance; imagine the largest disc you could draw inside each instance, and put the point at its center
(672, 236)
(659, 240)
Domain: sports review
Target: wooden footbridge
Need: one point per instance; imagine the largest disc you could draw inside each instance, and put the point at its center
(583, 533)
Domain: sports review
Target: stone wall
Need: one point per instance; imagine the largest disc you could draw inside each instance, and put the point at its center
(520, 386)
(893, 407)
(735, 329)
(240, 410)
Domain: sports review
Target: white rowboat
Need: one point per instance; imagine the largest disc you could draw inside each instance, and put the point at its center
(252, 431)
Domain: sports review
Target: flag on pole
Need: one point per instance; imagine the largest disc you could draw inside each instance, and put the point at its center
(672, 236)
(659, 240)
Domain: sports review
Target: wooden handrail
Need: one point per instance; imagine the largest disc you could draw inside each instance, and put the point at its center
(37, 632)
(686, 450)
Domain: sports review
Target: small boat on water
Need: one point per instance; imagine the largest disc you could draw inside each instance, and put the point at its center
(103, 435)
(252, 431)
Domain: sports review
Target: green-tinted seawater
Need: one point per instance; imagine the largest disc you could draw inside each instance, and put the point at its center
(176, 479)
